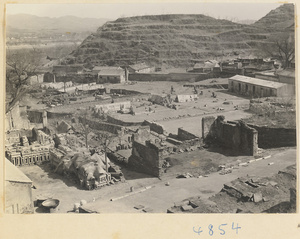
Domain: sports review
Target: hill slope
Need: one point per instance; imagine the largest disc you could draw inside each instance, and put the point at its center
(174, 40)
(281, 17)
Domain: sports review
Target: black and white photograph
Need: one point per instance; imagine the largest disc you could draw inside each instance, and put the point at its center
(147, 108)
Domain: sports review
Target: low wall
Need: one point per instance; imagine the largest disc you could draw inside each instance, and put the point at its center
(185, 135)
(154, 127)
(112, 128)
(113, 107)
(125, 92)
(171, 76)
(275, 137)
(113, 120)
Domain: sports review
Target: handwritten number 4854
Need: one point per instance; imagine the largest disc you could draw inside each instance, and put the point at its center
(221, 229)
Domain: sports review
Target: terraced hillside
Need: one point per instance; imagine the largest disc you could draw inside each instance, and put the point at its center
(174, 40)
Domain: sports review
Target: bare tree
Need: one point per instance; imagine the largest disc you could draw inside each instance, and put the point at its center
(281, 46)
(286, 49)
(21, 64)
(105, 139)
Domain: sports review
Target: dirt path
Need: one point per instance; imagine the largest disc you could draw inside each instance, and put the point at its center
(159, 197)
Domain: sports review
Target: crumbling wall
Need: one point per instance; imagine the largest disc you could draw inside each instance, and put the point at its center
(35, 116)
(112, 128)
(275, 137)
(125, 92)
(206, 125)
(17, 118)
(112, 120)
(41, 137)
(142, 134)
(233, 135)
(154, 127)
(146, 158)
(185, 135)
(63, 127)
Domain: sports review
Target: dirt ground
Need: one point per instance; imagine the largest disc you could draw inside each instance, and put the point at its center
(159, 197)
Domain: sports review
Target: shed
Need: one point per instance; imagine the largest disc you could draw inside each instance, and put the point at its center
(139, 68)
(111, 75)
(255, 87)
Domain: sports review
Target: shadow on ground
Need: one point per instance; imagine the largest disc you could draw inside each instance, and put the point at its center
(68, 180)
(132, 175)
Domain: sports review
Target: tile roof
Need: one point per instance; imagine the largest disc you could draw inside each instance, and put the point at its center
(111, 72)
(256, 81)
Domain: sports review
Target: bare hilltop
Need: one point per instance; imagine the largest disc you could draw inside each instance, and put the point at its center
(178, 39)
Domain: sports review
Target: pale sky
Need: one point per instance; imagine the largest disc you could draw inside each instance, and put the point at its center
(240, 11)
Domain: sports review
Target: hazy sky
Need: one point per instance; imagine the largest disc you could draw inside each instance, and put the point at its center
(241, 11)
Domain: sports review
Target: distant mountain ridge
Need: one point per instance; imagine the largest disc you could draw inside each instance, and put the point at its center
(27, 22)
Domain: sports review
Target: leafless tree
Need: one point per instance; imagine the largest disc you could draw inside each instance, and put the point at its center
(286, 49)
(21, 64)
(281, 46)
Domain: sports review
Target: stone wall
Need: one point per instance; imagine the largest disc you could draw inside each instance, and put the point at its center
(206, 125)
(142, 134)
(233, 135)
(275, 137)
(113, 120)
(125, 92)
(154, 127)
(146, 158)
(185, 135)
(98, 125)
